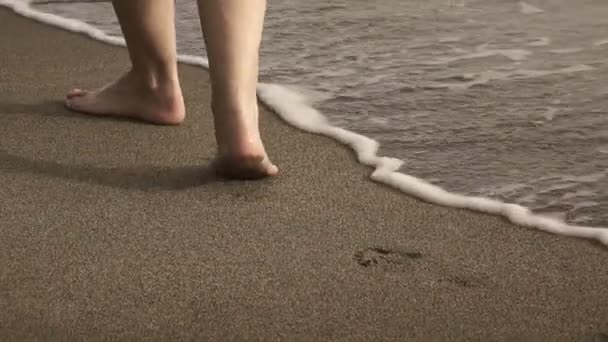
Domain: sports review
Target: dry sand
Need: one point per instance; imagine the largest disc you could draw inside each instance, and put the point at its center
(109, 229)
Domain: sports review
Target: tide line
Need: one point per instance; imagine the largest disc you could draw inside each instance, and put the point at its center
(292, 108)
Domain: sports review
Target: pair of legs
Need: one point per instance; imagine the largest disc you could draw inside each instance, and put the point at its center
(150, 91)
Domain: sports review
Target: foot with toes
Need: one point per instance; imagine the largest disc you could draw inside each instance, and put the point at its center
(130, 97)
(241, 152)
(150, 91)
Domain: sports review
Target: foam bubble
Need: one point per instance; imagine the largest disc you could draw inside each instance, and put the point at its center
(515, 55)
(292, 108)
(526, 8)
(518, 74)
(550, 113)
(542, 41)
(566, 50)
(450, 39)
(601, 42)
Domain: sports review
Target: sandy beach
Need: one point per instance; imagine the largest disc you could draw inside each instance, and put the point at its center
(113, 230)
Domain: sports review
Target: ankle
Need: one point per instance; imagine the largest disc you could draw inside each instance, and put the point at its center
(236, 151)
(236, 124)
(234, 105)
(156, 80)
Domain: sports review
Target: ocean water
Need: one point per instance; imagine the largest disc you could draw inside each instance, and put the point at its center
(495, 98)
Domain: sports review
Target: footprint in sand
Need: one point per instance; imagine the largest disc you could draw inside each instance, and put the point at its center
(385, 258)
(401, 261)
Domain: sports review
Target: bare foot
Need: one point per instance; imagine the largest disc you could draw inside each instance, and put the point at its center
(241, 152)
(245, 167)
(129, 97)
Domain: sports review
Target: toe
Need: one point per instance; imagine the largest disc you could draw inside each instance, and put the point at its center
(68, 102)
(244, 169)
(271, 169)
(75, 92)
(263, 170)
(77, 103)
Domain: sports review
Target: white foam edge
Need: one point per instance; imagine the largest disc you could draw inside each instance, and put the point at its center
(292, 108)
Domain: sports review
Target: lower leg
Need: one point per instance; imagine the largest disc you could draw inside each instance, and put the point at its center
(233, 33)
(150, 90)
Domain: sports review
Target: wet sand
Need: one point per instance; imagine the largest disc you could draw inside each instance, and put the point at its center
(111, 230)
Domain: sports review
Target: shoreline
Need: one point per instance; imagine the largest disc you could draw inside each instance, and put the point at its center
(292, 109)
(137, 244)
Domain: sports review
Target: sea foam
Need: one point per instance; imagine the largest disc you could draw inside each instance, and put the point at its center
(293, 109)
